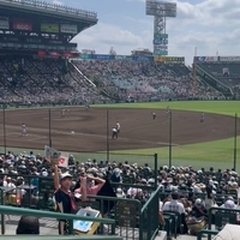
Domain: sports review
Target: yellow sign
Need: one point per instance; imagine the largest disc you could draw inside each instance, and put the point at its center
(175, 59)
(168, 59)
(159, 59)
(49, 28)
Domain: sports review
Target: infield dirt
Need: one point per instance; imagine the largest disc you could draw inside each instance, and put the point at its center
(138, 129)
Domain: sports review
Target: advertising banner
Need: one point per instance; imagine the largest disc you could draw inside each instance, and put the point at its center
(68, 28)
(200, 59)
(143, 58)
(211, 59)
(55, 54)
(103, 57)
(41, 53)
(159, 59)
(4, 24)
(230, 59)
(49, 28)
(160, 35)
(161, 52)
(160, 41)
(175, 59)
(123, 57)
(206, 59)
(160, 47)
(86, 56)
(22, 25)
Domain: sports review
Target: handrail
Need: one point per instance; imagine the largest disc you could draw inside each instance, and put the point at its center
(82, 237)
(56, 215)
(215, 79)
(150, 199)
(105, 198)
(226, 210)
(206, 231)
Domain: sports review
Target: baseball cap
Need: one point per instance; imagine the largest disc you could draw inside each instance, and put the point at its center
(229, 204)
(65, 175)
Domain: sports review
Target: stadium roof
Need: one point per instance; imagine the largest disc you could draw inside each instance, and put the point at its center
(54, 10)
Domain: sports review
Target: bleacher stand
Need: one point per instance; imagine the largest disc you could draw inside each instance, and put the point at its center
(197, 190)
(144, 81)
(226, 72)
(44, 80)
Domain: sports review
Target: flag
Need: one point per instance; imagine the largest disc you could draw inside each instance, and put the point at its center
(63, 160)
(52, 154)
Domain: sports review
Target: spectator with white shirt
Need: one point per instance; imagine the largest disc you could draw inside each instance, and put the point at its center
(173, 205)
(7, 182)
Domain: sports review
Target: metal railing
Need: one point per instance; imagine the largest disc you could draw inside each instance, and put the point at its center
(207, 232)
(227, 216)
(150, 215)
(31, 212)
(129, 215)
(92, 237)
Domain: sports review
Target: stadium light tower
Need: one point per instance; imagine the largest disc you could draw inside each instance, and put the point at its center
(160, 10)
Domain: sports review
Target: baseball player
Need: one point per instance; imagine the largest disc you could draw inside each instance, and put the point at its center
(118, 127)
(24, 129)
(114, 133)
(154, 115)
(202, 117)
(167, 111)
(63, 112)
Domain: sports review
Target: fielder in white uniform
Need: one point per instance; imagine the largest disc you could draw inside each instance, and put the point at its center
(114, 133)
(63, 112)
(24, 129)
(118, 127)
(202, 117)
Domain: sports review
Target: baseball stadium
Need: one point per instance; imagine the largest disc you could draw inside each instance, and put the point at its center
(108, 146)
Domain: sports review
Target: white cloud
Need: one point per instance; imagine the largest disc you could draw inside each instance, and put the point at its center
(211, 26)
(104, 36)
(57, 2)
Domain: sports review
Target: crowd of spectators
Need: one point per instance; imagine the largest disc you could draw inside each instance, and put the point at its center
(185, 190)
(44, 80)
(145, 81)
(53, 80)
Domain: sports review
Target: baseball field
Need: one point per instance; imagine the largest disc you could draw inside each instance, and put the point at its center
(87, 134)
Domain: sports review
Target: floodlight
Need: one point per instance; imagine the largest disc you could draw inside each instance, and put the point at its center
(161, 9)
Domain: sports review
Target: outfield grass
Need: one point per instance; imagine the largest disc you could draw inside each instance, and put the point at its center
(218, 154)
(220, 107)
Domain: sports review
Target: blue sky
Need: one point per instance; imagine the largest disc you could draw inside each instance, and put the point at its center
(210, 25)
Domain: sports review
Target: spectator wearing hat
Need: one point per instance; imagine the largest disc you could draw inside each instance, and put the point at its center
(229, 203)
(199, 209)
(7, 182)
(28, 225)
(64, 197)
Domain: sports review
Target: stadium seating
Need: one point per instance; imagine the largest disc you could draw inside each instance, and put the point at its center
(54, 80)
(38, 80)
(144, 81)
(227, 73)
